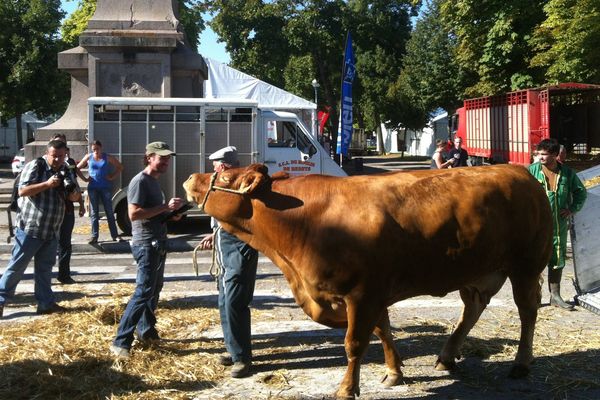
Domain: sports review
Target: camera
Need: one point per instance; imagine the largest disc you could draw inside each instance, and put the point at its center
(67, 181)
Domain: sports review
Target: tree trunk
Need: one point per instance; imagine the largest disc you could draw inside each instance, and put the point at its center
(403, 143)
(19, 130)
(380, 144)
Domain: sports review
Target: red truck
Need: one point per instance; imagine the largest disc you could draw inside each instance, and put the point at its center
(506, 128)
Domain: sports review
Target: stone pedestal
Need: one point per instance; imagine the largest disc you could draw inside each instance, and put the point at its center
(131, 48)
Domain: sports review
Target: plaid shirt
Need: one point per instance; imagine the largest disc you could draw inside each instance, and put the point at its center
(41, 215)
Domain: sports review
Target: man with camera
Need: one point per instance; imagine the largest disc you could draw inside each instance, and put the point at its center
(43, 187)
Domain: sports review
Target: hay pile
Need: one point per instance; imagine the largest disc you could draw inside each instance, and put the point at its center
(66, 355)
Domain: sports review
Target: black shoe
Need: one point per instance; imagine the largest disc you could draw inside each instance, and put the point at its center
(225, 360)
(66, 281)
(54, 308)
(240, 369)
(118, 239)
(1, 310)
(93, 240)
(149, 340)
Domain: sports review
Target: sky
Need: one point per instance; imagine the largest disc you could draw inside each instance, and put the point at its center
(208, 39)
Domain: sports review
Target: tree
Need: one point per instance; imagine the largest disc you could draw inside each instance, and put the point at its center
(493, 41)
(381, 30)
(567, 42)
(29, 44)
(431, 78)
(289, 42)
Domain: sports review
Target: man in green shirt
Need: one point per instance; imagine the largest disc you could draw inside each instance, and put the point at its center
(567, 195)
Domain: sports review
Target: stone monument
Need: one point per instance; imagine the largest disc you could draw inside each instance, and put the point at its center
(131, 48)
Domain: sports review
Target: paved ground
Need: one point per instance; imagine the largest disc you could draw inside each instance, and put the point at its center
(308, 359)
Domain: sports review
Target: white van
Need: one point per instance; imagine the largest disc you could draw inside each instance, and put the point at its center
(194, 129)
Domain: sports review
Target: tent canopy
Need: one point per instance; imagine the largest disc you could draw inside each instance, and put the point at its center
(226, 82)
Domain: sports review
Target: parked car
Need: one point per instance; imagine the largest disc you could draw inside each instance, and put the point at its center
(18, 162)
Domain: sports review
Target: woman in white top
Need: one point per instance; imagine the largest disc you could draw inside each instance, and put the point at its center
(437, 160)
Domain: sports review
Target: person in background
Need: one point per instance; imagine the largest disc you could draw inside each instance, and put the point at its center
(238, 263)
(41, 202)
(66, 228)
(567, 195)
(458, 153)
(562, 154)
(438, 160)
(148, 213)
(100, 188)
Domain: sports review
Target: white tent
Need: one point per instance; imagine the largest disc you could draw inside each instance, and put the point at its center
(226, 82)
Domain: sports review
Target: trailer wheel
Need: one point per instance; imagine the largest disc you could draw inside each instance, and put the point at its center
(123, 218)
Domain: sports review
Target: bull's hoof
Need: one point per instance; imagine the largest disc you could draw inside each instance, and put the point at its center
(344, 394)
(518, 371)
(444, 365)
(392, 379)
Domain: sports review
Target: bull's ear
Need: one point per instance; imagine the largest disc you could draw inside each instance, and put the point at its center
(251, 181)
(262, 168)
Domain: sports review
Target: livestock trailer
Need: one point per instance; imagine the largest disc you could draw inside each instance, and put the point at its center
(507, 127)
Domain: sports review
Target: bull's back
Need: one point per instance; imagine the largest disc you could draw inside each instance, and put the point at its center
(421, 232)
(459, 225)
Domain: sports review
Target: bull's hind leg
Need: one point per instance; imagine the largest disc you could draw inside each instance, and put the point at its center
(392, 358)
(527, 293)
(475, 297)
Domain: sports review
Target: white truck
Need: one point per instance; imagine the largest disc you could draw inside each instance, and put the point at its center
(194, 128)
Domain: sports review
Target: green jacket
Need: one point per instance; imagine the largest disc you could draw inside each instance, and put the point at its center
(570, 194)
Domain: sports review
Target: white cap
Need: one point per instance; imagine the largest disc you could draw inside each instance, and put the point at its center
(227, 155)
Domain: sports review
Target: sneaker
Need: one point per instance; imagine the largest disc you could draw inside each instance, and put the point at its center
(93, 240)
(66, 281)
(119, 352)
(225, 360)
(240, 369)
(118, 239)
(54, 308)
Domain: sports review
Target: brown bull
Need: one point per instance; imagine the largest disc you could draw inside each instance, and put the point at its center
(350, 247)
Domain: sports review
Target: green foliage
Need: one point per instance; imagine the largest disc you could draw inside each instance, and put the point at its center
(431, 77)
(29, 44)
(568, 41)
(493, 41)
(288, 43)
(381, 30)
(77, 22)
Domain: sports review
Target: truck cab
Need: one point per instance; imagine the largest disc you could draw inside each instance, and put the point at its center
(288, 146)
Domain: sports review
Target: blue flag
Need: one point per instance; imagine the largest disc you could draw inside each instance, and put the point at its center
(349, 72)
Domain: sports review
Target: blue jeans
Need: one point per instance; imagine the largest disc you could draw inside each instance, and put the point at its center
(139, 312)
(25, 248)
(236, 289)
(104, 195)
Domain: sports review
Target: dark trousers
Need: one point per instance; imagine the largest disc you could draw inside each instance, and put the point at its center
(236, 289)
(64, 246)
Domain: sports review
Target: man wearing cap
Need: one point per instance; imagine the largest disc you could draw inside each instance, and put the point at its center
(147, 212)
(236, 283)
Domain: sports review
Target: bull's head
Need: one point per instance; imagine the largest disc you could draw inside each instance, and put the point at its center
(238, 181)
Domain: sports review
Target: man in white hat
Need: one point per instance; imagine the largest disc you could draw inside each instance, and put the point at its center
(238, 263)
(147, 211)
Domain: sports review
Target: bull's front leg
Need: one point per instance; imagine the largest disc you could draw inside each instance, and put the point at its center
(362, 318)
(392, 358)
